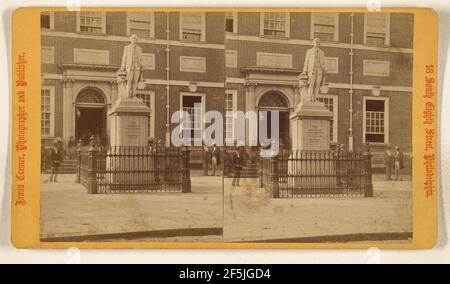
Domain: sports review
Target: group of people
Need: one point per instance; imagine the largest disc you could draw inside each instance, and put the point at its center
(213, 158)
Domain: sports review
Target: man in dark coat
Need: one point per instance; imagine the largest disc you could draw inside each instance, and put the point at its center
(55, 159)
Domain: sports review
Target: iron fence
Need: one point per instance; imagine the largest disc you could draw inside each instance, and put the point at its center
(134, 170)
(317, 174)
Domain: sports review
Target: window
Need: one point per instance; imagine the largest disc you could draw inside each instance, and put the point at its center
(148, 98)
(192, 26)
(192, 64)
(376, 112)
(325, 26)
(192, 128)
(91, 22)
(330, 102)
(47, 54)
(230, 109)
(47, 21)
(275, 24)
(231, 22)
(376, 68)
(47, 110)
(231, 59)
(376, 29)
(141, 24)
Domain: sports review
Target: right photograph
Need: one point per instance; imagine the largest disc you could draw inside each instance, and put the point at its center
(319, 106)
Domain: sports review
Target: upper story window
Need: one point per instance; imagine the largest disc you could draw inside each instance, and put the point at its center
(325, 26)
(275, 24)
(192, 26)
(47, 21)
(377, 29)
(91, 22)
(231, 22)
(141, 24)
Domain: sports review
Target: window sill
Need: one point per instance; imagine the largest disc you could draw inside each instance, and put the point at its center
(328, 41)
(89, 33)
(376, 75)
(378, 46)
(275, 37)
(144, 37)
(193, 41)
(377, 144)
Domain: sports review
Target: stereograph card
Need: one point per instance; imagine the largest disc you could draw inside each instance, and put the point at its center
(224, 128)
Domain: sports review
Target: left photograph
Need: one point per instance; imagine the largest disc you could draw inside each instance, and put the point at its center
(113, 84)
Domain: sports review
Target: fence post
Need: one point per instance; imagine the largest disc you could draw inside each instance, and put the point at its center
(223, 156)
(92, 168)
(368, 186)
(79, 164)
(274, 184)
(185, 171)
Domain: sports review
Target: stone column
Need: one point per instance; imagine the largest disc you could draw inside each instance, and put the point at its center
(297, 96)
(114, 91)
(113, 99)
(251, 132)
(67, 109)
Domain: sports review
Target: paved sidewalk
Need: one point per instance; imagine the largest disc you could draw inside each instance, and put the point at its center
(251, 215)
(67, 211)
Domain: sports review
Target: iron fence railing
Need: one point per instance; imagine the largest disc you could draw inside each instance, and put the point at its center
(317, 174)
(134, 169)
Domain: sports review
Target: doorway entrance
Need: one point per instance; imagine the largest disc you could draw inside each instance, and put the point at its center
(275, 101)
(90, 118)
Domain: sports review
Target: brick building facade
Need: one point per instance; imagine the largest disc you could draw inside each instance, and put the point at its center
(230, 61)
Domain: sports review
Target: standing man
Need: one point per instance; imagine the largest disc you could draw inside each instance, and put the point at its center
(314, 68)
(214, 158)
(55, 158)
(398, 163)
(132, 65)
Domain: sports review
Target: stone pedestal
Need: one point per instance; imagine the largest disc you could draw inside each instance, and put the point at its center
(129, 122)
(129, 129)
(310, 127)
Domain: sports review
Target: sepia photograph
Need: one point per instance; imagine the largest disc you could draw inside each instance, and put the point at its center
(226, 126)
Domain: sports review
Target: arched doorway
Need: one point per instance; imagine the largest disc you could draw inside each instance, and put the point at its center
(276, 101)
(90, 116)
